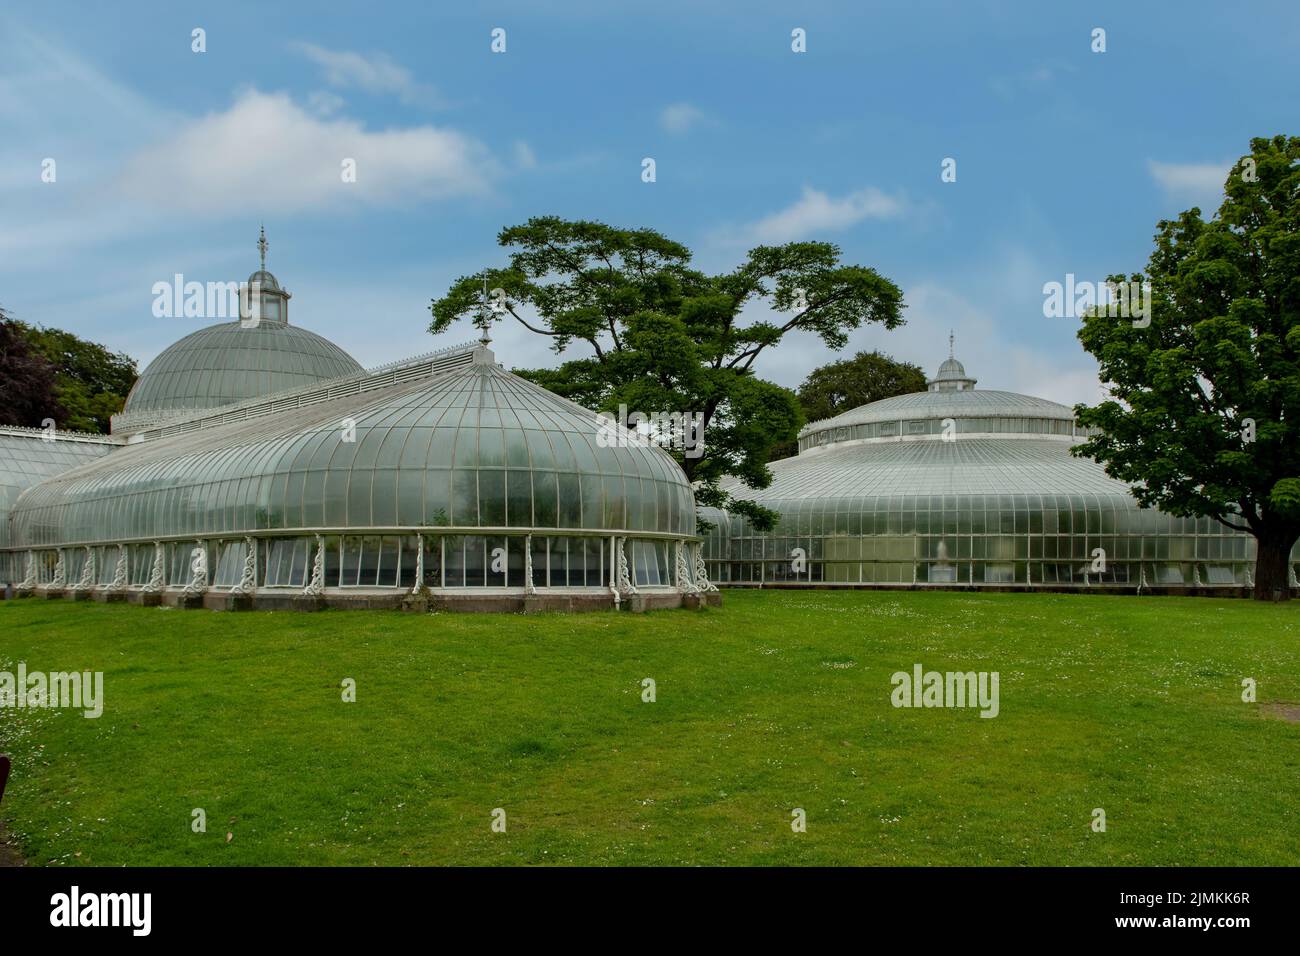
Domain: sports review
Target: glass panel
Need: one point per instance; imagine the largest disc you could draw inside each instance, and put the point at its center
(179, 555)
(539, 559)
(230, 564)
(350, 563)
(559, 556)
(492, 498)
(286, 562)
(389, 561)
(140, 564)
(454, 560)
(105, 565)
(519, 508)
(498, 562)
(333, 556)
(368, 569)
(594, 562)
(476, 561)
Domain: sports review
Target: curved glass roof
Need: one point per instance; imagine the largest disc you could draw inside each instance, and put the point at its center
(971, 403)
(951, 368)
(229, 362)
(935, 467)
(27, 457)
(473, 448)
(951, 395)
(265, 280)
(964, 441)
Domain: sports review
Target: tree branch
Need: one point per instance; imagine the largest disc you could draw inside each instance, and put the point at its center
(580, 273)
(753, 353)
(531, 328)
(1235, 527)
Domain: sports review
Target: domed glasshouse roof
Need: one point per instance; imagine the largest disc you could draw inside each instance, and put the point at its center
(265, 280)
(229, 363)
(978, 466)
(474, 448)
(940, 442)
(258, 354)
(970, 403)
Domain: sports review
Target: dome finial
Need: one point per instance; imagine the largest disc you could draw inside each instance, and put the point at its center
(485, 316)
(483, 355)
(262, 246)
(951, 336)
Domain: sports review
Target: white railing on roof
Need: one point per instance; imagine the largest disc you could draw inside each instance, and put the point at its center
(384, 376)
(424, 357)
(59, 434)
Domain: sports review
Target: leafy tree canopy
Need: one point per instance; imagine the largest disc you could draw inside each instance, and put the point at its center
(657, 335)
(849, 383)
(865, 378)
(1204, 415)
(90, 382)
(26, 379)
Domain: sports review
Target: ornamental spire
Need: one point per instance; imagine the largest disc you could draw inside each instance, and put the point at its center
(483, 354)
(262, 246)
(485, 315)
(952, 375)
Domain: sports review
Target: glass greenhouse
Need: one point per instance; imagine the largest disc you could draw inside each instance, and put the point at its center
(962, 486)
(257, 464)
(443, 475)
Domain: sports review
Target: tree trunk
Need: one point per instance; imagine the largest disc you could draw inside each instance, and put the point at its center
(1273, 565)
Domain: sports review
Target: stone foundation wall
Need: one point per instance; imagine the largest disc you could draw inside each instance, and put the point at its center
(539, 602)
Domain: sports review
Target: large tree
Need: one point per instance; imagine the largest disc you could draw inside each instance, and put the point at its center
(90, 382)
(660, 336)
(26, 379)
(1204, 416)
(849, 383)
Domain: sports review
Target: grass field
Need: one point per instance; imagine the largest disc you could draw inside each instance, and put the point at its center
(775, 701)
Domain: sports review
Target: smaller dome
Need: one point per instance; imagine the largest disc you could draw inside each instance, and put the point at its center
(950, 396)
(266, 281)
(952, 375)
(229, 362)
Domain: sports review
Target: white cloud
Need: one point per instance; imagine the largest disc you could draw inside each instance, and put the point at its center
(267, 154)
(816, 212)
(1202, 182)
(375, 73)
(679, 118)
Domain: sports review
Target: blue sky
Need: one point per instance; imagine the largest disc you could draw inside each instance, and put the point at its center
(167, 159)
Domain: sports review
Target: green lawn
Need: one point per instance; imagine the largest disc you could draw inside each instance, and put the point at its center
(775, 701)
